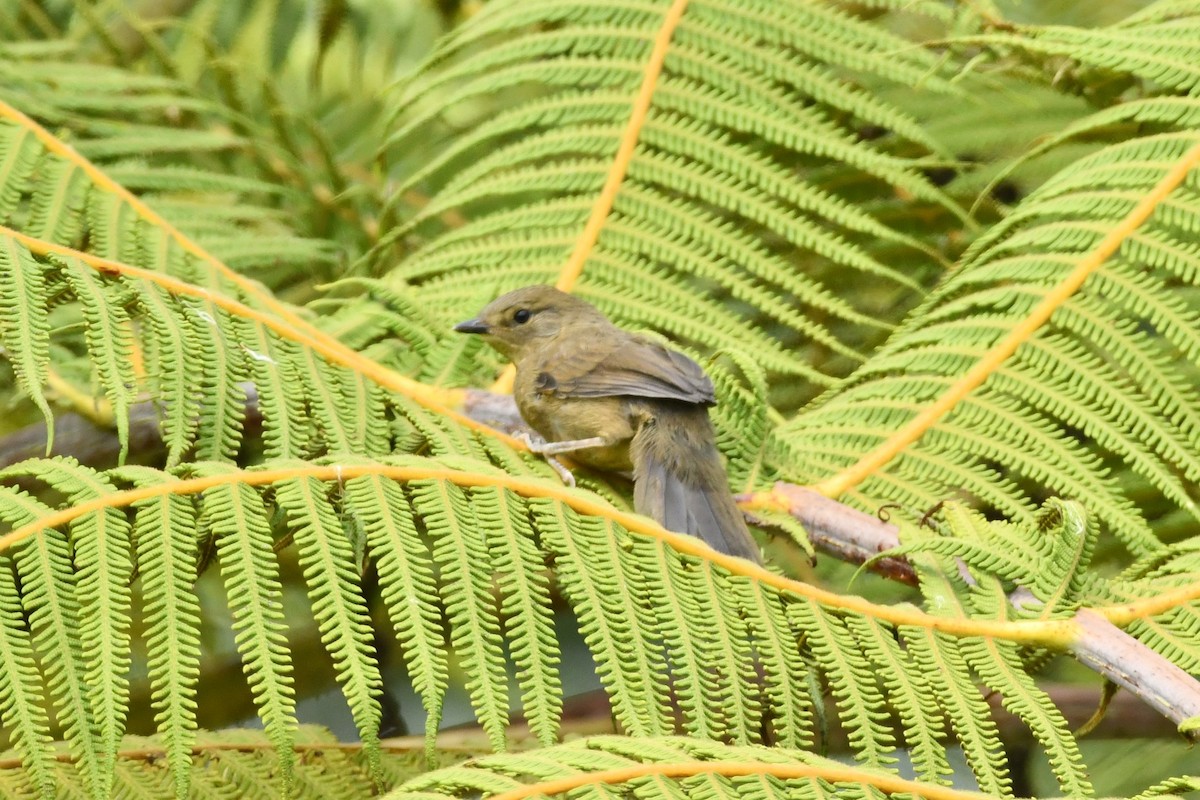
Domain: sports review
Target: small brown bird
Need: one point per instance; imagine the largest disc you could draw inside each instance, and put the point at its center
(617, 401)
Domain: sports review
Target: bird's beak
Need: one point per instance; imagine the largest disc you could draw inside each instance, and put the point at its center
(472, 326)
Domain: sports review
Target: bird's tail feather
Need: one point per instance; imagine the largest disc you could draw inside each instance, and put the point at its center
(680, 482)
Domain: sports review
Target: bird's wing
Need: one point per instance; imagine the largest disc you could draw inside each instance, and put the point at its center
(628, 366)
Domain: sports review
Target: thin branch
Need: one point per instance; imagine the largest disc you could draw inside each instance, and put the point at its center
(1125, 661)
(846, 533)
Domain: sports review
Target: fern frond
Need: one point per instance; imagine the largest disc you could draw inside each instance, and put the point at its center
(164, 528)
(461, 552)
(997, 663)
(733, 659)
(853, 683)
(406, 577)
(1171, 787)
(223, 369)
(792, 688)
(104, 569)
(49, 599)
(240, 761)
(109, 337)
(180, 139)
(236, 517)
(1054, 257)
(25, 325)
(1171, 573)
(1156, 45)
(525, 604)
(56, 202)
(585, 558)
(753, 178)
(702, 190)
(22, 703)
(742, 417)
(908, 692)
(220, 343)
(940, 658)
(327, 557)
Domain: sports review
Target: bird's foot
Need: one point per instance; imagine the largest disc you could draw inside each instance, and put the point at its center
(548, 449)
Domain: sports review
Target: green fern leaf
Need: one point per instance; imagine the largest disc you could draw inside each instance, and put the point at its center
(738, 684)
(244, 548)
(1172, 787)
(22, 704)
(49, 600)
(170, 348)
(693, 649)
(999, 664)
(364, 404)
(589, 569)
(271, 364)
(406, 581)
(943, 662)
(19, 153)
(25, 325)
(610, 766)
(219, 426)
(791, 698)
(109, 339)
(461, 552)
(852, 681)
(166, 559)
(525, 603)
(328, 561)
(1137, 408)
(103, 572)
(57, 207)
(706, 188)
(909, 691)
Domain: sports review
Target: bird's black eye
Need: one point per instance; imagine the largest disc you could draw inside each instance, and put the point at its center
(521, 316)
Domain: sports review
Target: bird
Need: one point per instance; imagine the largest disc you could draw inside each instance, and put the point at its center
(621, 402)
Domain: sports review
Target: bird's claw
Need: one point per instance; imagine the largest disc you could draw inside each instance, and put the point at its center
(526, 438)
(564, 474)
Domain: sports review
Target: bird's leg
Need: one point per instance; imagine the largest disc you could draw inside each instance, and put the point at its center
(558, 448)
(550, 449)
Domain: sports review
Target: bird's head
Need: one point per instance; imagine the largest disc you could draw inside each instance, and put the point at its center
(527, 318)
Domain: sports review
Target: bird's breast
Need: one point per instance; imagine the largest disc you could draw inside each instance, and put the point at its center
(563, 419)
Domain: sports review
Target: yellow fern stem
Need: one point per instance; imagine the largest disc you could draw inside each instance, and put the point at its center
(430, 397)
(729, 769)
(616, 174)
(1002, 350)
(1057, 634)
(629, 140)
(1126, 613)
